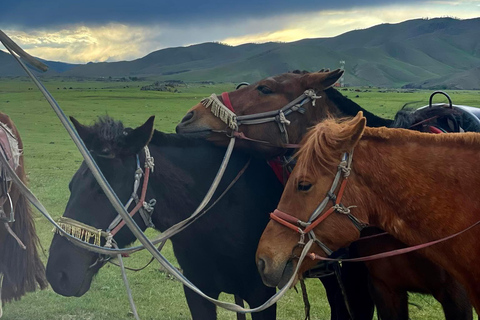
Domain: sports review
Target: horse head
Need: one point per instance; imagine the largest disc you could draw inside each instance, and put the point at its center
(267, 95)
(301, 207)
(70, 269)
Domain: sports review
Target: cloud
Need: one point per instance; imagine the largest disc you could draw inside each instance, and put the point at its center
(49, 13)
(116, 35)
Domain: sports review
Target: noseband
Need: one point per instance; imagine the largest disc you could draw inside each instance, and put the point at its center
(226, 112)
(306, 227)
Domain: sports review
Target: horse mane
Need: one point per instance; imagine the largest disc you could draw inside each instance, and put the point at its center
(315, 154)
(466, 139)
(350, 108)
(111, 131)
(23, 269)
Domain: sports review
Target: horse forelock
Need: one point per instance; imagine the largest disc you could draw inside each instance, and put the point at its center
(108, 134)
(318, 151)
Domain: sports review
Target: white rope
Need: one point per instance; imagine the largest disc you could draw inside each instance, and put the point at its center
(312, 95)
(127, 286)
(149, 161)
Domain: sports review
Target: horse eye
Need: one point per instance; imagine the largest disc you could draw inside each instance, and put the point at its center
(264, 89)
(304, 186)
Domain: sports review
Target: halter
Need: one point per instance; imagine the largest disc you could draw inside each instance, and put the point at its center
(85, 232)
(306, 228)
(226, 112)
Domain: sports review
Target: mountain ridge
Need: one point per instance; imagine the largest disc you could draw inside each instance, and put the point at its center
(421, 53)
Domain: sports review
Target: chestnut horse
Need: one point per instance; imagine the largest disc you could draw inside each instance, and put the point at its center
(273, 93)
(419, 187)
(21, 268)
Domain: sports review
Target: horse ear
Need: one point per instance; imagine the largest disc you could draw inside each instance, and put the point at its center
(83, 131)
(321, 80)
(356, 127)
(139, 137)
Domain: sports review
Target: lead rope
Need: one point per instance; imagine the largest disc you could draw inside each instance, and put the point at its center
(127, 286)
(116, 203)
(306, 302)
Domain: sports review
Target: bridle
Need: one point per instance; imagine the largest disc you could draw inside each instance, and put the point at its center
(306, 227)
(226, 112)
(145, 209)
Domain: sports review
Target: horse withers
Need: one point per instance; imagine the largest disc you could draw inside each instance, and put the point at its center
(405, 182)
(20, 265)
(305, 99)
(216, 252)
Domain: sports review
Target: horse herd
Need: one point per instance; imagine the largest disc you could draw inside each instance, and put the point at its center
(418, 187)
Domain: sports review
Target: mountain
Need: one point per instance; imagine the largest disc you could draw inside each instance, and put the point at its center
(427, 53)
(9, 67)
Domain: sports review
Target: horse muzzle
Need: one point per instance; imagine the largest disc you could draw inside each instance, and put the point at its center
(275, 274)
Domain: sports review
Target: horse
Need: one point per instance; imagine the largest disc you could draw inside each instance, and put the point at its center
(419, 187)
(216, 253)
(21, 269)
(268, 140)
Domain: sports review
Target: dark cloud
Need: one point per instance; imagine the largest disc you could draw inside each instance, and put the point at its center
(52, 13)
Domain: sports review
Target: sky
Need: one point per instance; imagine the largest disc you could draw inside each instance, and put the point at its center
(114, 30)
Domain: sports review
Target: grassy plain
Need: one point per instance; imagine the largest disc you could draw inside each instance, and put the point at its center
(51, 160)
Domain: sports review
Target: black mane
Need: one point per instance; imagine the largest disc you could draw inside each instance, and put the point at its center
(110, 134)
(350, 108)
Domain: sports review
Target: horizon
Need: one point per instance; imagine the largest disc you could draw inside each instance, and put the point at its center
(78, 34)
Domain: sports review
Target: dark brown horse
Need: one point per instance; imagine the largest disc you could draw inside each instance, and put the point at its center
(405, 182)
(273, 93)
(21, 269)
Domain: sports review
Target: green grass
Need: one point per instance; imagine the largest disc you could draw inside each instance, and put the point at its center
(51, 159)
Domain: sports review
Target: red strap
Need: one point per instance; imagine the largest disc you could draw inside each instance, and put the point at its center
(434, 129)
(277, 168)
(226, 101)
(287, 224)
(139, 204)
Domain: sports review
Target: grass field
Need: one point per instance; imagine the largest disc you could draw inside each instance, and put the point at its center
(51, 159)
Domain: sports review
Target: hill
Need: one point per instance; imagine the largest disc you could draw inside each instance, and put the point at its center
(427, 53)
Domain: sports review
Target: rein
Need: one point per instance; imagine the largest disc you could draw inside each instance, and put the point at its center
(226, 112)
(118, 206)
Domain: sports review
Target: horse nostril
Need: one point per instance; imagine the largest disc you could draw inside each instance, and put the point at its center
(261, 265)
(189, 116)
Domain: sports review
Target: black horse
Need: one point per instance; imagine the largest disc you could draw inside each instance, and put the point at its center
(216, 253)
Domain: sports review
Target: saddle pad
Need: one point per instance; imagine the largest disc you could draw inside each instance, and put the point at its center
(9, 146)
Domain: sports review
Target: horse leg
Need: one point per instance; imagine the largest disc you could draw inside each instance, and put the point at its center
(200, 308)
(454, 300)
(338, 310)
(355, 281)
(239, 302)
(256, 296)
(391, 305)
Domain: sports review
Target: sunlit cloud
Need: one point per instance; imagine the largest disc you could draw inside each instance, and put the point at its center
(81, 44)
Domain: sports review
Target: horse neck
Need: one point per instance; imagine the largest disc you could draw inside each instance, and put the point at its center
(341, 106)
(399, 185)
(182, 177)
